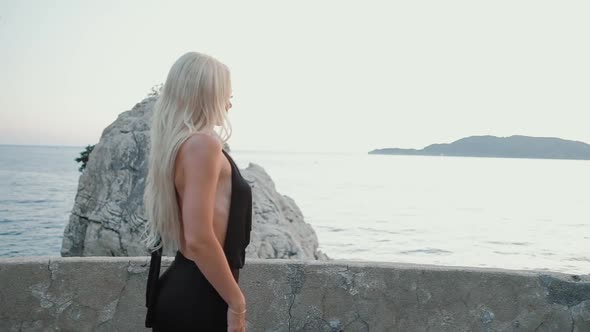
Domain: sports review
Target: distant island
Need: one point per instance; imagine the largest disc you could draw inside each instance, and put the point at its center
(516, 146)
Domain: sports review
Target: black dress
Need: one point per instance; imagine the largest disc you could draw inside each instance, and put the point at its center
(182, 299)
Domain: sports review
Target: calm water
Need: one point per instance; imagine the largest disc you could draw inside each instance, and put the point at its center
(486, 212)
(38, 185)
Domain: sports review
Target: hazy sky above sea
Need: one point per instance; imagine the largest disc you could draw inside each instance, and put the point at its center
(307, 75)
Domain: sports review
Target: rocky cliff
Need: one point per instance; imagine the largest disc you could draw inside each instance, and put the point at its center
(107, 218)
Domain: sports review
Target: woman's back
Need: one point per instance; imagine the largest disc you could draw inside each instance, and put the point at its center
(222, 199)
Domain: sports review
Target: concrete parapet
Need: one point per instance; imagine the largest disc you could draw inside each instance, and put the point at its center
(108, 294)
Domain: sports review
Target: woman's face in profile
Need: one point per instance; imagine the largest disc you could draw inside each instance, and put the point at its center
(229, 104)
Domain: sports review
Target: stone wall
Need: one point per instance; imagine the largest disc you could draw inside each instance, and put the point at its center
(108, 294)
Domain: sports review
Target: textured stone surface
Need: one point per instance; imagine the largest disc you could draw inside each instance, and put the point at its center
(108, 294)
(107, 218)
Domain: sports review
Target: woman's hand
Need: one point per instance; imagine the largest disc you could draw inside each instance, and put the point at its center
(236, 322)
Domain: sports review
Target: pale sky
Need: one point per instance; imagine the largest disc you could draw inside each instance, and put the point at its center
(306, 75)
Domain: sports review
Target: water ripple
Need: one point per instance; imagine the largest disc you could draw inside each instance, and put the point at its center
(434, 251)
(509, 243)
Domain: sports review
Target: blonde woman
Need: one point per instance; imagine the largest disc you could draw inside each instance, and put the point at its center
(197, 204)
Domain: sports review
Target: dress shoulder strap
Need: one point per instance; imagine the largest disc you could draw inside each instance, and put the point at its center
(152, 286)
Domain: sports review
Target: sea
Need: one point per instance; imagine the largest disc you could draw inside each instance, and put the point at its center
(518, 214)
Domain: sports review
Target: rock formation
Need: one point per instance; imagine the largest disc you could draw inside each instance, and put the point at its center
(107, 218)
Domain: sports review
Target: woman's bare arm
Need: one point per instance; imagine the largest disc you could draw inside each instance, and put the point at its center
(202, 162)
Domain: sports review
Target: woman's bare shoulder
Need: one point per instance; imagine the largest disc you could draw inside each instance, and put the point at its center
(201, 145)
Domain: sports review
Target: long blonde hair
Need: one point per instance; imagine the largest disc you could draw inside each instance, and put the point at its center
(193, 99)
